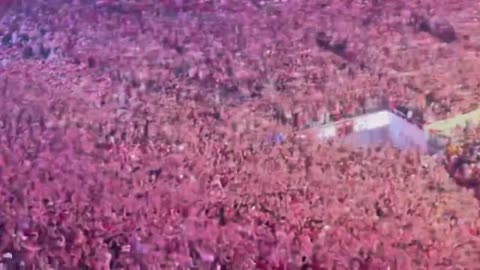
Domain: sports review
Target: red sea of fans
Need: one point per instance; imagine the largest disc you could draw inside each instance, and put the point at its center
(145, 135)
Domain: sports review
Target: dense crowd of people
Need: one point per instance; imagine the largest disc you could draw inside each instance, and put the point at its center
(165, 135)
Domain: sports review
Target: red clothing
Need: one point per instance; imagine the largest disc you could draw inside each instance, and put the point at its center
(337, 112)
(344, 127)
(350, 110)
(392, 104)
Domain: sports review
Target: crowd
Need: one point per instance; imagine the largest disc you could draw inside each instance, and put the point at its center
(138, 135)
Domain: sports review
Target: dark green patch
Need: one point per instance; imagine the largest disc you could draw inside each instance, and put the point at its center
(44, 52)
(28, 52)
(91, 62)
(7, 40)
(24, 38)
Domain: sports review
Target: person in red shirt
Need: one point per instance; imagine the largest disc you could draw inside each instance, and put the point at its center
(336, 111)
(349, 110)
(392, 103)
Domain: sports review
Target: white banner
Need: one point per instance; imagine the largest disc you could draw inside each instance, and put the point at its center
(326, 132)
(371, 121)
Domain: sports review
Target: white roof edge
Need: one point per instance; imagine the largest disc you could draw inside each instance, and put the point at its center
(362, 122)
